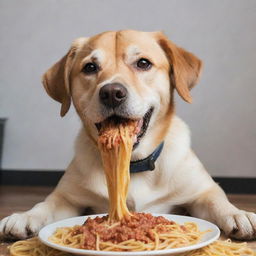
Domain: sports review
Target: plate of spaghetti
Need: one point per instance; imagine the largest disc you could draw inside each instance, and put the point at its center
(120, 230)
(140, 234)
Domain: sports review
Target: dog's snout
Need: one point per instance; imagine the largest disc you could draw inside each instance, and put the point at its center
(112, 95)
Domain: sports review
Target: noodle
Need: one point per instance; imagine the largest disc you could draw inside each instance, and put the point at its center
(115, 144)
(175, 236)
(33, 247)
(222, 248)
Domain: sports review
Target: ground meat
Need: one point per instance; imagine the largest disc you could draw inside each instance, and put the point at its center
(138, 226)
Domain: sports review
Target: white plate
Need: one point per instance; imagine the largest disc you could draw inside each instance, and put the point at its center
(203, 225)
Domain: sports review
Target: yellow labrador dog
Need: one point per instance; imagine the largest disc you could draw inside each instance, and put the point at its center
(131, 75)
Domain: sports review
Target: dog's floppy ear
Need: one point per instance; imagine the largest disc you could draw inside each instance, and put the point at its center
(56, 79)
(184, 67)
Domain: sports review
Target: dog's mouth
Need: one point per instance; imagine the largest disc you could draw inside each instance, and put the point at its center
(141, 125)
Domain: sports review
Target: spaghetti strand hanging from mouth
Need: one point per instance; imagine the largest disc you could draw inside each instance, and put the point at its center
(115, 144)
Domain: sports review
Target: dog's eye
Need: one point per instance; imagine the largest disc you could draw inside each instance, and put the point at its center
(143, 64)
(90, 68)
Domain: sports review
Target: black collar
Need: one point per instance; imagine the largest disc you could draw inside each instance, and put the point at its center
(148, 163)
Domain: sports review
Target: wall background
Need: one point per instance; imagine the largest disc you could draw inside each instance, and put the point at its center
(35, 34)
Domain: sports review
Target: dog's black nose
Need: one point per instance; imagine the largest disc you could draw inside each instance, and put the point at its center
(112, 95)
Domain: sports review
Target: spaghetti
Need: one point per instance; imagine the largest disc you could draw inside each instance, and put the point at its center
(115, 143)
(139, 232)
(33, 247)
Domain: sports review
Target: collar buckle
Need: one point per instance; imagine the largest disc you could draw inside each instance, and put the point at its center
(151, 163)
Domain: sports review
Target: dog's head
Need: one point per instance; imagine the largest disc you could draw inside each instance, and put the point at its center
(123, 75)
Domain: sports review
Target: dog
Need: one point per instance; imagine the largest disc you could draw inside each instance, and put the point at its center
(133, 75)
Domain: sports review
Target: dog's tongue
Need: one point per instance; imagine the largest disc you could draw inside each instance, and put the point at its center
(137, 130)
(139, 125)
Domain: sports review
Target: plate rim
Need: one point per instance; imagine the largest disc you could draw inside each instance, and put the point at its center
(153, 252)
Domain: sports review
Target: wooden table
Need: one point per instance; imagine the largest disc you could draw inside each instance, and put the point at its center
(14, 199)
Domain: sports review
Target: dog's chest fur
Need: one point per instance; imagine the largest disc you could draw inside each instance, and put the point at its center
(148, 191)
(143, 194)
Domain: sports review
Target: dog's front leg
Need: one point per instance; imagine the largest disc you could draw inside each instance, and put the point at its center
(27, 224)
(214, 206)
(58, 205)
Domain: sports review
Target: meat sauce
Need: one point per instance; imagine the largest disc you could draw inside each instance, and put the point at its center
(138, 226)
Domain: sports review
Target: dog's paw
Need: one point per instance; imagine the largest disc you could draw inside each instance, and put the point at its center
(240, 225)
(20, 225)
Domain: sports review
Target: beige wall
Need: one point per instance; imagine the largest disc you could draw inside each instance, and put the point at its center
(34, 34)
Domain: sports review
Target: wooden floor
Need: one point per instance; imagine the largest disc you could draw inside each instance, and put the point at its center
(15, 199)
